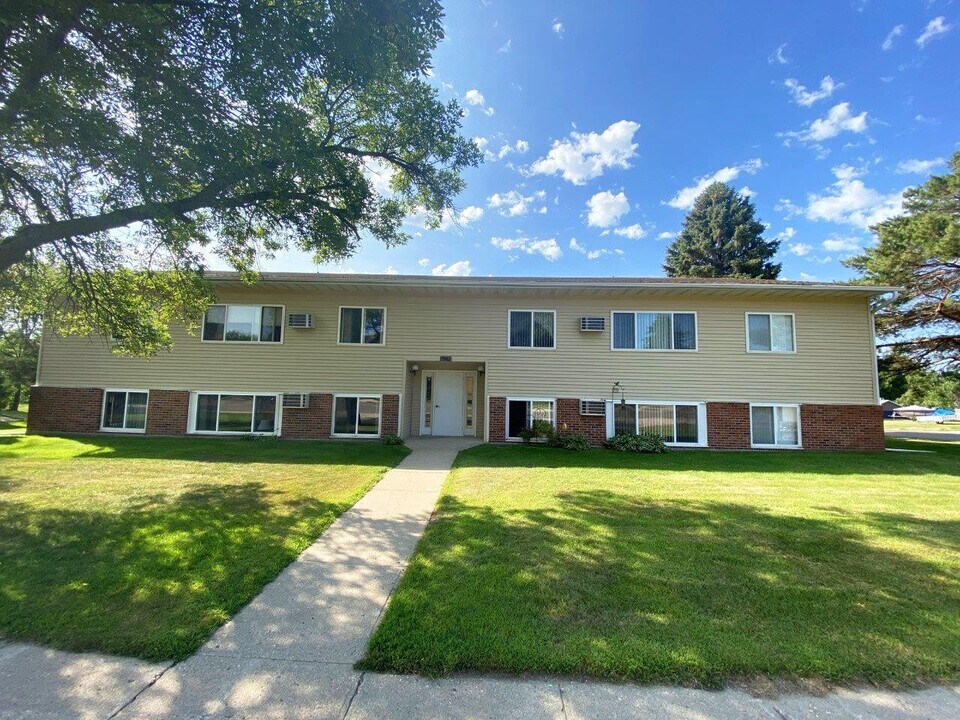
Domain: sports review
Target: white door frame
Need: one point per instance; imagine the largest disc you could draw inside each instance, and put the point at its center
(463, 374)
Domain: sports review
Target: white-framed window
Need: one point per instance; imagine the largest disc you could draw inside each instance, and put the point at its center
(362, 326)
(771, 333)
(678, 423)
(356, 415)
(655, 330)
(235, 413)
(124, 411)
(532, 329)
(522, 413)
(774, 425)
(243, 323)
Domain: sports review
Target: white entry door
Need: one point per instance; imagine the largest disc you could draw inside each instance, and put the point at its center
(448, 403)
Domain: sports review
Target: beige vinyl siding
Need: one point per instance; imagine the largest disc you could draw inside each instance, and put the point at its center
(834, 361)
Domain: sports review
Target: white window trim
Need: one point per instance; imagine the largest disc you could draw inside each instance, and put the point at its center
(192, 413)
(746, 328)
(359, 396)
(258, 341)
(126, 407)
(701, 419)
(530, 346)
(696, 331)
(506, 414)
(765, 446)
(363, 309)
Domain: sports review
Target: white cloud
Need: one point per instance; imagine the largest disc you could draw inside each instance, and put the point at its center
(475, 97)
(489, 111)
(481, 142)
(788, 208)
(849, 201)
(845, 245)
(547, 248)
(470, 214)
(633, 232)
(806, 98)
(519, 147)
(379, 173)
(606, 208)
(391, 270)
(448, 218)
(924, 120)
(919, 167)
(514, 203)
(788, 232)
(506, 47)
(685, 198)
(584, 156)
(574, 245)
(592, 254)
(837, 120)
(748, 192)
(778, 57)
(800, 249)
(807, 277)
(934, 29)
(666, 235)
(423, 262)
(557, 27)
(460, 268)
(896, 32)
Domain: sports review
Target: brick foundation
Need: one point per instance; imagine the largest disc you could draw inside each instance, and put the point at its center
(841, 427)
(728, 426)
(593, 427)
(64, 410)
(167, 412)
(497, 419)
(310, 423)
(390, 415)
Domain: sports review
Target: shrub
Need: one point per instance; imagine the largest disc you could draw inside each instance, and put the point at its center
(539, 429)
(391, 440)
(570, 441)
(637, 443)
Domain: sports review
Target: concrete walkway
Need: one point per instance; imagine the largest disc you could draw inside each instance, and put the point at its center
(290, 652)
(932, 436)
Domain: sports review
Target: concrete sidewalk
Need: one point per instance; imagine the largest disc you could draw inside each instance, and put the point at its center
(290, 652)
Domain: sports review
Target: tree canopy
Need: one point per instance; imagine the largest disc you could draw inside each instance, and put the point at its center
(140, 137)
(722, 238)
(920, 252)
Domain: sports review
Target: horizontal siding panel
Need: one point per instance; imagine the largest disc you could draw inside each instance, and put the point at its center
(833, 363)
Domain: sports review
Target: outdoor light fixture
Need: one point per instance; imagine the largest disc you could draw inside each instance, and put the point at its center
(414, 369)
(618, 388)
(480, 369)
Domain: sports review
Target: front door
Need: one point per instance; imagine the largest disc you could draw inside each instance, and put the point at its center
(448, 403)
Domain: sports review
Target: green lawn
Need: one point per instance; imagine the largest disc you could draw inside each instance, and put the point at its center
(143, 546)
(693, 567)
(13, 422)
(914, 426)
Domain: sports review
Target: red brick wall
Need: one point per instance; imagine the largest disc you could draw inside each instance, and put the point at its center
(728, 425)
(167, 412)
(497, 419)
(593, 427)
(841, 427)
(312, 422)
(390, 415)
(64, 410)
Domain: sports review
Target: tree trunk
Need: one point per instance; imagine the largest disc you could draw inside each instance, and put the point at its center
(15, 402)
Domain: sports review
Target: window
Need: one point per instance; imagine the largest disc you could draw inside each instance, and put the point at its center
(654, 331)
(770, 332)
(362, 326)
(236, 413)
(676, 423)
(356, 415)
(532, 329)
(522, 413)
(243, 323)
(124, 411)
(775, 425)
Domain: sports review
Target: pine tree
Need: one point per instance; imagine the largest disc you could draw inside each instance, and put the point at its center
(722, 238)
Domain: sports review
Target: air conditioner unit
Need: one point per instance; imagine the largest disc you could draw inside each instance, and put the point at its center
(593, 407)
(593, 323)
(296, 400)
(300, 320)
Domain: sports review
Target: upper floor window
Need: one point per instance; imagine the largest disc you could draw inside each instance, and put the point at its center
(770, 332)
(244, 323)
(362, 325)
(532, 329)
(654, 331)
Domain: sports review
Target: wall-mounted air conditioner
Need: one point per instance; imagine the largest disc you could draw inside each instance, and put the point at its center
(296, 400)
(593, 323)
(300, 320)
(593, 407)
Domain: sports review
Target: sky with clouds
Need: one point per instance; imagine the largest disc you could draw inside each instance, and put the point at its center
(601, 122)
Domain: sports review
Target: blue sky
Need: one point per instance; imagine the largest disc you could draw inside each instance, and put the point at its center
(600, 120)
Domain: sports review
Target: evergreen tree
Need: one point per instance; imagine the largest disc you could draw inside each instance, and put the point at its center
(722, 238)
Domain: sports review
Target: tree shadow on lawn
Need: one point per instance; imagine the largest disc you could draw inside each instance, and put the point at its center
(611, 586)
(153, 580)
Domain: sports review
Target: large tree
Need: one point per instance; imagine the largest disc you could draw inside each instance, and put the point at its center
(138, 137)
(722, 238)
(920, 252)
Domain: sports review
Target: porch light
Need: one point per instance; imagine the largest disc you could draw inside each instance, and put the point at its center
(480, 370)
(414, 369)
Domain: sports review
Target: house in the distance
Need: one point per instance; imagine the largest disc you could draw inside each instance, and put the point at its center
(705, 363)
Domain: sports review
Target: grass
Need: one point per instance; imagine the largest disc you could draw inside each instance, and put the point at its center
(13, 422)
(914, 426)
(695, 567)
(143, 546)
